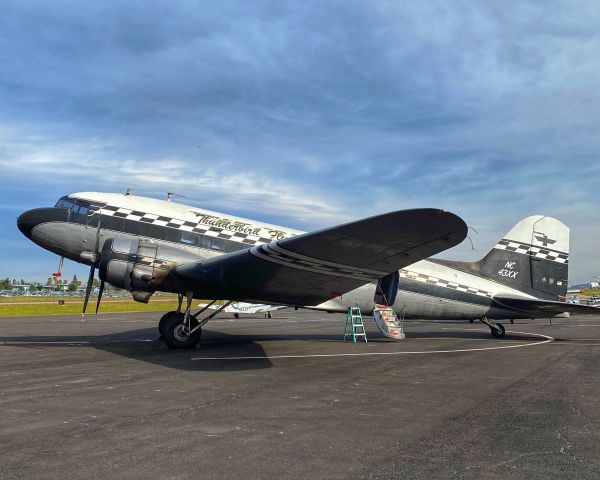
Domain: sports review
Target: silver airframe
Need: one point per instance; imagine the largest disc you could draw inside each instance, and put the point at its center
(146, 245)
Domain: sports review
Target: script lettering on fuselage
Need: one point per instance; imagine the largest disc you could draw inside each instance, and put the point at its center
(236, 226)
(508, 270)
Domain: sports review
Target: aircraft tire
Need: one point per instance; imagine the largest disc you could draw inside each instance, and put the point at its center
(496, 333)
(172, 332)
(161, 322)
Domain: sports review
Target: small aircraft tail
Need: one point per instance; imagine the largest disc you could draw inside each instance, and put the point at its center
(533, 258)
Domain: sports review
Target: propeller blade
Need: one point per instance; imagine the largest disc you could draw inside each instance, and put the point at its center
(88, 289)
(99, 295)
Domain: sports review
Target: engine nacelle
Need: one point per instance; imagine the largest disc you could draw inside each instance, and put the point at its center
(140, 265)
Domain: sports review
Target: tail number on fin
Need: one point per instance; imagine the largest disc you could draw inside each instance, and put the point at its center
(508, 270)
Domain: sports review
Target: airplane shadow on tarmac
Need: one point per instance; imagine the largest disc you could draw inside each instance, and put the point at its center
(145, 346)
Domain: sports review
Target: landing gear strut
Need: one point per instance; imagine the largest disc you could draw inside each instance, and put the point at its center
(497, 329)
(183, 329)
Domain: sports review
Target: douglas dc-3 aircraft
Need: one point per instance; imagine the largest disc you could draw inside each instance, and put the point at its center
(146, 245)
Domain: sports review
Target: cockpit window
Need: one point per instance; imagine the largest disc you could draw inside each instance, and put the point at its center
(81, 206)
(65, 202)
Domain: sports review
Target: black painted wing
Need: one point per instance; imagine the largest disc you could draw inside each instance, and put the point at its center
(314, 267)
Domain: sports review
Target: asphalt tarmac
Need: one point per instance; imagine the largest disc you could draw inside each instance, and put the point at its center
(286, 398)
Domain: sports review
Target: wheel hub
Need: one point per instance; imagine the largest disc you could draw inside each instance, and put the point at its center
(180, 332)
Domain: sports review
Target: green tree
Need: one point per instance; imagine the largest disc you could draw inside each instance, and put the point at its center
(74, 285)
(5, 284)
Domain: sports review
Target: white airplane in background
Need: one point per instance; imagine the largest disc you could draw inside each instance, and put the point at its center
(242, 307)
(146, 245)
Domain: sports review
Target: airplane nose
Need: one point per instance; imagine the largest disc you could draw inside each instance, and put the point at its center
(26, 222)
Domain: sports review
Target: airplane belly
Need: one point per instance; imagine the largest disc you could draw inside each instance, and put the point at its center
(420, 306)
(427, 302)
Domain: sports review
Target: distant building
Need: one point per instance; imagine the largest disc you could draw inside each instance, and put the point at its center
(21, 288)
(58, 288)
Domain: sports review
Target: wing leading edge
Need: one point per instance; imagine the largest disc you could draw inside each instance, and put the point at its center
(314, 267)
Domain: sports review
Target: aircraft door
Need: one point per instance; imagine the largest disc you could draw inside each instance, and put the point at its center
(387, 289)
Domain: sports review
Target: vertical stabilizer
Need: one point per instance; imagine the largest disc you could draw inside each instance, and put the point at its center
(533, 257)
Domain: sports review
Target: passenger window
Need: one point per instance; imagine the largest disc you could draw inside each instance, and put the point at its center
(238, 246)
(218, 244)
(204, 242)
(187, 238)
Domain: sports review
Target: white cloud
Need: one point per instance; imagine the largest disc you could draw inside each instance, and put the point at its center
(94, 163)
(311, 113)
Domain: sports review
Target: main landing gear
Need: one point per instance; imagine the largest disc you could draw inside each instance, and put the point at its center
(497, 329)
(183, 329)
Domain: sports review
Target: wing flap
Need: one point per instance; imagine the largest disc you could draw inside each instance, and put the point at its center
(311, 268)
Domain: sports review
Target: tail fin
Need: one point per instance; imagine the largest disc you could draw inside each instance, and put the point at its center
(533, 257)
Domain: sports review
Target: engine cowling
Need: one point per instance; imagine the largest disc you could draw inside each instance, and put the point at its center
(140, 266)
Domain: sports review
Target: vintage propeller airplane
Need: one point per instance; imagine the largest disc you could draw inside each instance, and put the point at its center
(146, 245)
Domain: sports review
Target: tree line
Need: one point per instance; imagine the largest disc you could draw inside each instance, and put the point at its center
(73, 285)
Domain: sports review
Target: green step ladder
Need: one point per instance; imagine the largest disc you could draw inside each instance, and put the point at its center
(354, 325)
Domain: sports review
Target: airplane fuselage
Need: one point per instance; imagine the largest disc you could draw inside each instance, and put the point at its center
(427, 289)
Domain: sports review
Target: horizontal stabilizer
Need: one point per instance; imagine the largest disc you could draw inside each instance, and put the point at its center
(540, 308)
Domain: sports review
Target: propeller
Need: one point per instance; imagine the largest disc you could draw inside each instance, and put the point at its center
(95, 260)
(99, 295)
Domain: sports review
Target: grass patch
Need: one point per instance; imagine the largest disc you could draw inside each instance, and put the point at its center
(589, 292)
(163, 297)
(73, 305)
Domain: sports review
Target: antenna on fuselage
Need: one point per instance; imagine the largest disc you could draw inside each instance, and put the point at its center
(170, 196)
(129, 191)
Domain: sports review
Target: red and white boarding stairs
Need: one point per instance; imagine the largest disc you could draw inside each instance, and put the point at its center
(388, 323)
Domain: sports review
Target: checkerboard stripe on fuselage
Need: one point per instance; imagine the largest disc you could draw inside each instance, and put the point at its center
(179, 224)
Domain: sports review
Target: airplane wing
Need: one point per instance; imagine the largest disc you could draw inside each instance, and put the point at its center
(314, 267)
(540, 308)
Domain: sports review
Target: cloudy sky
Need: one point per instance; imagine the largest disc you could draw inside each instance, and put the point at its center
(305, 114)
